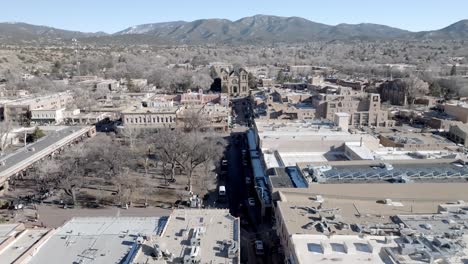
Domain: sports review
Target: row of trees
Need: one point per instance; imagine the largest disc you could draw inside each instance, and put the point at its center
(114, 162)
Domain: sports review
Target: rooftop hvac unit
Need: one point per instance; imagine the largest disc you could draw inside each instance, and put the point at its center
(140, 239)
(157, 251)
(193, 257)
(191, 260)
(233, 249)
(169, 255)
(195, 239)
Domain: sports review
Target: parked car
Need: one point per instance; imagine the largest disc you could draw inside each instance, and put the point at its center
(259, 249)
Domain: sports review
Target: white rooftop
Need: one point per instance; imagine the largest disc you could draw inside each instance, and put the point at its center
(216, 226)
(96, 240)
(22, 243)
(347, 249)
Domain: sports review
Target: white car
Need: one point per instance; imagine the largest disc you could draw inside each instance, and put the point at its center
(259, 247)
(251, 201)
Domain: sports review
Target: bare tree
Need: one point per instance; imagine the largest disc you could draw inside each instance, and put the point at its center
(47, 175)
(199, 149)
(201, 81)
(5, 129)
(192, 118)
(131, 134)
(109, 158)
(168, 148)
(144, 151)
(66, 172)
(415, 88)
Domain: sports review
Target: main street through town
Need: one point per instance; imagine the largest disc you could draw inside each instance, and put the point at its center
(237, 178)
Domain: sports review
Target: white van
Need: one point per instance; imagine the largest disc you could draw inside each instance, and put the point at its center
(222, 190)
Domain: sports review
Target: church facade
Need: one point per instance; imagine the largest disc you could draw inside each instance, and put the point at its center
(234, 83)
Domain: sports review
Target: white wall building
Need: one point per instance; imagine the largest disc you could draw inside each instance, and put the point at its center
(47, 116)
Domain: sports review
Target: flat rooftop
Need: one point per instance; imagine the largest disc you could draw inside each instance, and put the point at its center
(8, 230)
(340, 249)
(150, 110)
(287, 177)
(21, 244)
(426, 171)
(97, 240)
(35, 98)
(436, 224)
(285, 158)
(217, 230)
(310, 137)
(361, 204)
(417, 138)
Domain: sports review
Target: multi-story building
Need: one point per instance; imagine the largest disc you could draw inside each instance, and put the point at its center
(234, 83)
(364, 108)
(354, 84)
(213, 116)
(185, 236)
(317, 225)
(144, 117)
(394, 92)
(162, 101)
(110, 85)
(13, 93)
(199, 98)
(281, 104)
(218, 66)
(459, 111)
(267, 82)
(415, 141)
(47, 116)
(19, 110)
(209, 115)
(459, 134)
(195, 236)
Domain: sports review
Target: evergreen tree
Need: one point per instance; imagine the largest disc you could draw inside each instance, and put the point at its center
(36, 134)
(453, 71)
(435, 89)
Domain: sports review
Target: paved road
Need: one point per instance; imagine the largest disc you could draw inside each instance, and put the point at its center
(236, 187)
(240, 192)
(235, 181)
(25, 154)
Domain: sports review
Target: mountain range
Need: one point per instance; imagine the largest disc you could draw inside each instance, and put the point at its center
(249, 30)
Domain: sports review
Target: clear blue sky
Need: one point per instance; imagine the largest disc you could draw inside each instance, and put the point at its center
(114, 15)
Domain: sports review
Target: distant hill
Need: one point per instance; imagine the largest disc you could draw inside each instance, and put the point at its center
(28, 32)
(248, 30)
(259, 28)
(458, 30)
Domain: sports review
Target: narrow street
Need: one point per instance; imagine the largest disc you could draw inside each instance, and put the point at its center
(240, 187)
